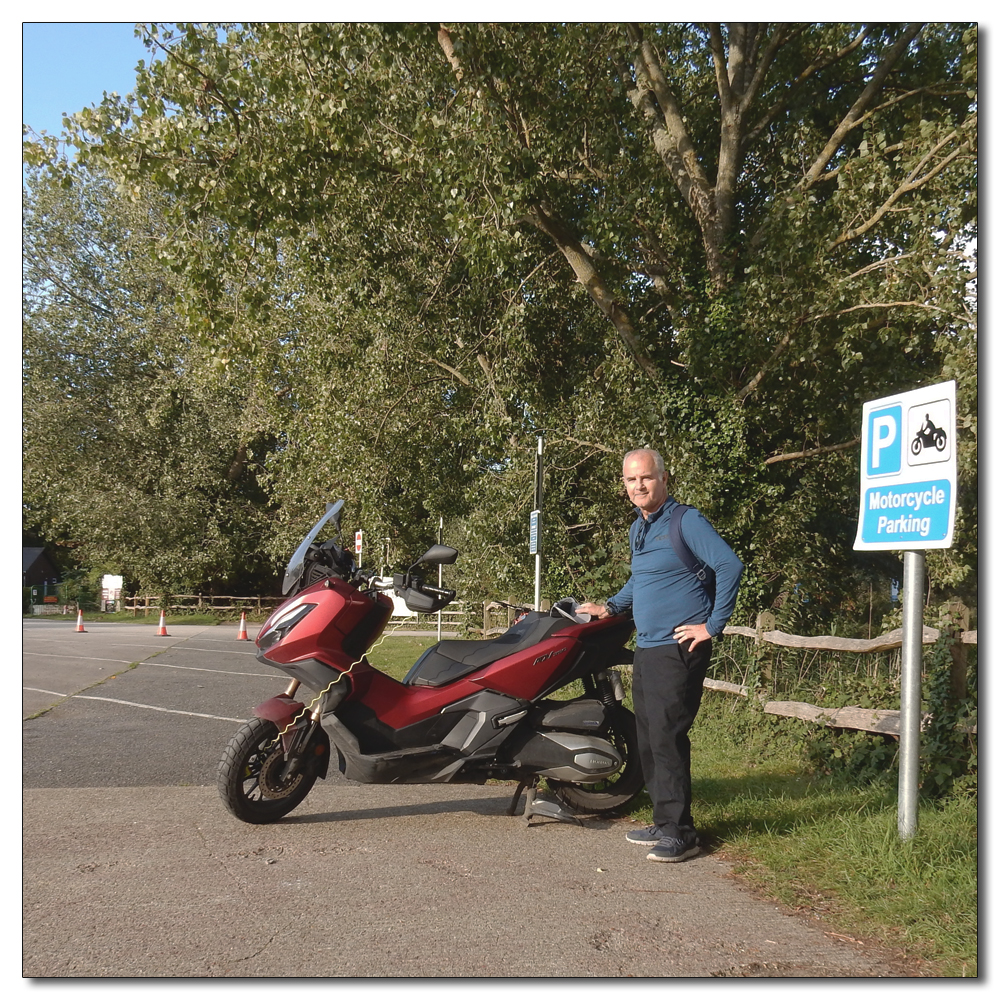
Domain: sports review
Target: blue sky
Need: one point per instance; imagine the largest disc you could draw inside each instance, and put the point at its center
(67, 66)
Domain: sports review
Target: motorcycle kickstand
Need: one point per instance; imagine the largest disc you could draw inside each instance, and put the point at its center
(534, 806)
(512, 808)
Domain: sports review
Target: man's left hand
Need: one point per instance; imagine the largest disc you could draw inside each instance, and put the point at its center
(691, 633)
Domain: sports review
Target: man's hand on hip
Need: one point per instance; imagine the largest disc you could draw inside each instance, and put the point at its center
(691, 633)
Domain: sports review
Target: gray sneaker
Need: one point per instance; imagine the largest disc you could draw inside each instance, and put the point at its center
(673, 849)
(645, 835)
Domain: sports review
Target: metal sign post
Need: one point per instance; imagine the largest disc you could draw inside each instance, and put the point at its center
(908, 487)
(535, 546)
(440, 570)
(909, 692)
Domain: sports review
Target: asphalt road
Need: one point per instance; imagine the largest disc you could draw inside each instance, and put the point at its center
(133, 868)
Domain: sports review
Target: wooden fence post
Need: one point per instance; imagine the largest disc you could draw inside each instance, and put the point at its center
(765, 623)
(959, 615)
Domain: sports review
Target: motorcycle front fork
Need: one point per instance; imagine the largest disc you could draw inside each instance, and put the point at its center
(300, 737)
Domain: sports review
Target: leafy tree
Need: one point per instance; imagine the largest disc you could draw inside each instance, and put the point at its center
(138, 452)
(715, 239)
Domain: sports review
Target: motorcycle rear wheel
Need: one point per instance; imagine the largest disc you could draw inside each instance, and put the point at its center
(618, 790)
(249, 775)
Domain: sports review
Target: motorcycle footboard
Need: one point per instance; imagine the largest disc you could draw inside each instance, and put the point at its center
(419, 766)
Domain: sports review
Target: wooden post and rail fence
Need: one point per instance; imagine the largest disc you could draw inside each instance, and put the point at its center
(884, 721)
(873, 720)
(498, 617)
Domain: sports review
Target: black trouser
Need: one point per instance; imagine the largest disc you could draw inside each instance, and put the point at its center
(666, 691)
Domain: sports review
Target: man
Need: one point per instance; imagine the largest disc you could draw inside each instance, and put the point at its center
(675, 620)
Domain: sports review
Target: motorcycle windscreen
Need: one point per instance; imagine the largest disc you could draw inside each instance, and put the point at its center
(298, 559)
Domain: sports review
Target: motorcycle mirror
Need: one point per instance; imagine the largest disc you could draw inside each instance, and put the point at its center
(437, 555)
(297, 561)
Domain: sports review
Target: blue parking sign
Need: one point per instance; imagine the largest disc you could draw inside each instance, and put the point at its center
(884, 455)
(908, 470)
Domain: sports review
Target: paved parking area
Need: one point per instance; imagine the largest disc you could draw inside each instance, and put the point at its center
(132, 867)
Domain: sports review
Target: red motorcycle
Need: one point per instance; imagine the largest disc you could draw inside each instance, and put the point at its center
(469, 710)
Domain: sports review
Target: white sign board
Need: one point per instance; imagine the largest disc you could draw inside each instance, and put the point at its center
(358, 539)
(908, 470)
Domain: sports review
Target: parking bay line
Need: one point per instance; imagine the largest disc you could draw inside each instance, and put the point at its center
(69, 656)
(153, 663)
(238, 652)
(211, 670)
(136, 704)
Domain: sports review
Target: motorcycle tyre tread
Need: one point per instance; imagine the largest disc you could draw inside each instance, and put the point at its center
(244, 743)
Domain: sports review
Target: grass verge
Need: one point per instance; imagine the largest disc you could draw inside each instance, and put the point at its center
(830, 848)
(127, 618)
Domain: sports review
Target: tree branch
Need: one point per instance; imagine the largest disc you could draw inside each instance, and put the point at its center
(448, 47)
(590, 444)
(808, 73)
(583, 267)
(810, 452)
(912, 303)
(434, 361)
(861, 105)
(652, 97)
(775, 354)
(911, 183)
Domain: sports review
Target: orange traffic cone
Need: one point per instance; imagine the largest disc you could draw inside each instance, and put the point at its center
(162, 630)
(243, 627)
(79, 622)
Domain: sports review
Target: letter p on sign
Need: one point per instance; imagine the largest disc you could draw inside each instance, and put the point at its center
(885, 441)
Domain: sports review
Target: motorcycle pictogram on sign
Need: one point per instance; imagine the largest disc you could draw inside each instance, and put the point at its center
(929, 436)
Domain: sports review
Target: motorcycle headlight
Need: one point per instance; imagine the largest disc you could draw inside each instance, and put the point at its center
(282, 625)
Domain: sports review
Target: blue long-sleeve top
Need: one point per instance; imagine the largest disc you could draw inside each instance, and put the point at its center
(662, 592)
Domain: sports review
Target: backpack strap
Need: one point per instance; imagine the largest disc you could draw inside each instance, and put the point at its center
(685, 555)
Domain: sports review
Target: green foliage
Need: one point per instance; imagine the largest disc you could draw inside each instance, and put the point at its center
(406, 249)
(138, 451)
(856, 758)
(948, 747)
(949, 753)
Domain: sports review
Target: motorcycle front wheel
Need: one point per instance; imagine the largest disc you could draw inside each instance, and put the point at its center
(618, 790)
(249, 775)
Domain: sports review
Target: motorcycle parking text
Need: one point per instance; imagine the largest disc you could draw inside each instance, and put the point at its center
(930, 499)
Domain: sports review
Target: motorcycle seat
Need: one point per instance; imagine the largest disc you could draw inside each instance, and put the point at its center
(451, 659)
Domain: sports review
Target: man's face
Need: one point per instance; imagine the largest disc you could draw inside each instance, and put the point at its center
(646, 487)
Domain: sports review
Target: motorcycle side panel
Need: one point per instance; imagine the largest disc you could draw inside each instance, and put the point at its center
(523, 676)
(341, 626)
(417, 765)
(397, 705)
